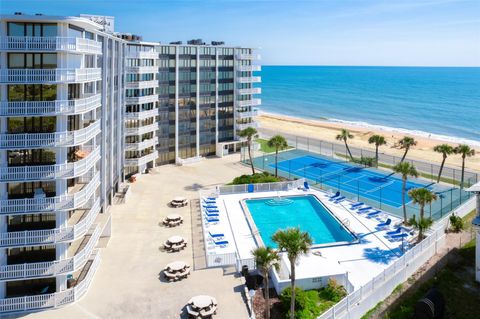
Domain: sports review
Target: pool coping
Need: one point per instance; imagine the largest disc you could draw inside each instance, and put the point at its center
(258, 238)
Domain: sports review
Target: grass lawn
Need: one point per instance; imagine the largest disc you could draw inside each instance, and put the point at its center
(264, 146)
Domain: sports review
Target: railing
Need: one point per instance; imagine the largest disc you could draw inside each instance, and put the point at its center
(49, 75)
(242, 126)
(142, 84)
(42, 140)
(249, 68)
(252, 102)
(141, 160)
(247, 114)
(261, 187)
(53, 300)
(143, 55)
(50, 172)
(58, 107)
(141, 145)
(142, 129)
(81, 45)
(141, 69)
(63, 202)
(248, 56)
(51, 236)
(357, 303)
(249, 91)
(51, 268)
(141, 115)
(249, 79)
(219, 260)
(141, 99)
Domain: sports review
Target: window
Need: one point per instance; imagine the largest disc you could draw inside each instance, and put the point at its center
(32, 60)
(19, 29)
(31, 157)
(45, 124)
(32, 92)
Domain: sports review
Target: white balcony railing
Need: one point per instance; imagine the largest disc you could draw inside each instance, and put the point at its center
(58, 107)
(243, 115)
(50, 172)
(51, 236)
(249, 91)
(63, 202)
(141, 145)
(58, 139)
(141, 115)
(142, 129)
(52, 268)
(242, 126)
(70, 44)
(53, 300)
(141, 69)
(249, 79)
(142, 55)
(248, 57)
(249, 68)
(251, 102)
(50, 75)
(141, 160)
(141, 99)
(142, 84)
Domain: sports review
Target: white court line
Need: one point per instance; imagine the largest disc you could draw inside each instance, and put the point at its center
(380, 187)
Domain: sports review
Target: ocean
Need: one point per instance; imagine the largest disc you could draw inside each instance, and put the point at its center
(440, 102)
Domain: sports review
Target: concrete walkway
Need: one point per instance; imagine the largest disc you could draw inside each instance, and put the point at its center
(128, 282)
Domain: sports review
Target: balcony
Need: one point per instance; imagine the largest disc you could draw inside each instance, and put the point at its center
(58, 107)
(142, 129)
(141, 145)
(243, 115)
(19, 76)
(242, 126)
(248, 57)
(52, 268)
(142, 84)
(141, 99)
(249, 79)
(141, 160)
(57, 299)
(50, 172)
(141, 69)
(64, 202)
(141, 115)
(143, 55)
(51, 44)
(249, 68)
(51, 236)
(42, 140)
(252, 102)
(249, 91)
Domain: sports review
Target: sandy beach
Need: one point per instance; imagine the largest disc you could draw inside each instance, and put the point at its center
(327, 131)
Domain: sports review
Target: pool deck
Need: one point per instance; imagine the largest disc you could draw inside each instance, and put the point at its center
(362, 261)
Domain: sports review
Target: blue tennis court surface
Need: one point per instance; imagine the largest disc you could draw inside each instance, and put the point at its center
(353, 179)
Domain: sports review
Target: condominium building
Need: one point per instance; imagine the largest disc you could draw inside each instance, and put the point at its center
(81, 107)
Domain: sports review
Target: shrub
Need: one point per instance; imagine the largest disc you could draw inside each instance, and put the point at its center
(333, 291)
(264, 177)
(456, 223)
(366, 161)
(306, 303)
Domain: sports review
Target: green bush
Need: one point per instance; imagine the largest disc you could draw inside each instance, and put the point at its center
(456, 223)
(306, 303)
(264, 177)
(333, 291)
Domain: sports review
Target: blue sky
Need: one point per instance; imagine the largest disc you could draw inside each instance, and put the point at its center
(296, 32)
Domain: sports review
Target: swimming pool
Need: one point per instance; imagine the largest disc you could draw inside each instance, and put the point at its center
(307, 212)
(370, 184)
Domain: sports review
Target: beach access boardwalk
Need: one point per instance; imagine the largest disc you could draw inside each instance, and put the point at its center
(127, 283)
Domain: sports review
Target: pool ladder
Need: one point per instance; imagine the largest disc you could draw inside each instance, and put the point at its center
(346, 222)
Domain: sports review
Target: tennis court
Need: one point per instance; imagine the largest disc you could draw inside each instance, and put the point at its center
(374, 185)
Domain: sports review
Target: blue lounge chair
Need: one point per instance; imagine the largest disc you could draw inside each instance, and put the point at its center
(364, 208)
(399, 236)
(373, 214)
(211, 214)
(208, 202)
(250, 188)
(356, 205)
(211, 220)
(210, 206)
(384, 224)
(305, 185)
(219, 235)
(221, 243)
(336, 195)
(211, 198)
(339, 199)
(395, 232)
(212, 210)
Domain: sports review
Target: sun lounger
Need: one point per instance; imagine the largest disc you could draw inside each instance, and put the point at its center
(216, 236)
(355, 205)
(395, 232)
(209, 206)
(211, 220)
(211, 214)
(337, 194)
(211, 198)
(212, 210)
(385, 224)
(305, 185)
(364, 208)
(339, 199)
(221, 243)
(373, 214)
(399, 236)
(209, 201)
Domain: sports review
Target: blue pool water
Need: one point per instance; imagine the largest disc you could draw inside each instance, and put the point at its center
(353, 179)
(305, 212)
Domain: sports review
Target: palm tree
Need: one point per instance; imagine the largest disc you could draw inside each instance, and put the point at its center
(422, 197)
(405, 143)
(344, 136)
(422, 225)
(378, 140)
(405, 169)
(465, 151)
(445, 150)
(295, 243)
(266, 258)
(249, 133)
(280, 143)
